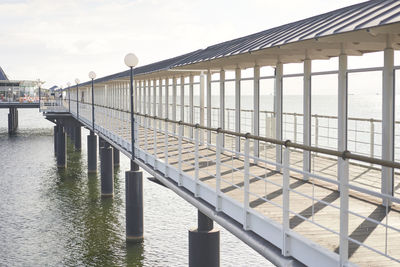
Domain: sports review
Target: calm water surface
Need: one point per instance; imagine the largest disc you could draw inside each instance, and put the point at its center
(57, 218)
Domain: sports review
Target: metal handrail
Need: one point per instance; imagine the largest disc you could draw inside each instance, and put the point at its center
(287, 143)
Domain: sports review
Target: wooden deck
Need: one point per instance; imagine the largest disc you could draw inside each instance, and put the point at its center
(266, 195)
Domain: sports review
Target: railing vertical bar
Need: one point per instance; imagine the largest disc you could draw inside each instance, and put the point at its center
(180, 154)
(344, 211)
(166, 148)
(196, 153)
(246, 207)
(218, 172)
(285, 202)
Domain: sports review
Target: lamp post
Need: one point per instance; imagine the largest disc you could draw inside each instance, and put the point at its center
(69, 97)
(92, 76)
(131, 61)
(77, 98)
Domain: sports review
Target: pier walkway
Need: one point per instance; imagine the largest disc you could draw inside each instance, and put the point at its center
(293, 199)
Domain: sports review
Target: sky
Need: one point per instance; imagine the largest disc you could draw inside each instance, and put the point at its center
(58, 41)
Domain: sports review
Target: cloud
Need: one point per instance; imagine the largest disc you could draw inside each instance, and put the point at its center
(58, 41)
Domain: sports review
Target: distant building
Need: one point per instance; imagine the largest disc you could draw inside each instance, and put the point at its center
(17, 90)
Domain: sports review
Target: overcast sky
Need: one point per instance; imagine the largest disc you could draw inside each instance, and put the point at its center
(58, 41)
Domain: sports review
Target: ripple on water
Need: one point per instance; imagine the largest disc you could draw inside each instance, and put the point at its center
(53, 217)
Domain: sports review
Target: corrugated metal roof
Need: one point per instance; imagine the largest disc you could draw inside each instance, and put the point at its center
(360, 16)
(352, 18)
(154, 67)
(3, 76)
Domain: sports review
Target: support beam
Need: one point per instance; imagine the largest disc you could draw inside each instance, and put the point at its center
(202, 118)
(107, 171)
(134, 205)
(307, 115)
(222, 104)
(154, 98)
(166, 112)
(61, 147)
(182, 99)
(209, 106)
(191, 103)
(278, 110)
(149, 97)
(92, 152)
(388, 108)
(160, 106)
(174, 102)
(256, 115)
(145, 96)
(238, 95)
(342, 105)
(204, 243)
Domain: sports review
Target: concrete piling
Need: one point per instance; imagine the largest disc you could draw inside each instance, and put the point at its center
(203, 243)
(92, 152)
(61, 147)
(107, 171)
(134, 205)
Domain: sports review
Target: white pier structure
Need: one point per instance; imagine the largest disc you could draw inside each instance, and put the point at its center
(297, 187)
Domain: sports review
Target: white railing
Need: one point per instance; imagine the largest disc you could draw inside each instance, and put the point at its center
(233, 182)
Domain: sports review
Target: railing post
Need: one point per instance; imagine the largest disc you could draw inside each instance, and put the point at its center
(166, 149)
(372, 139)
(344, 210)
(155, 143)
(218, 172)
(316, 132)
(285, 202)
(196, 164)
(180, 153)
(145, 139)
(246, 208)
(295, 127)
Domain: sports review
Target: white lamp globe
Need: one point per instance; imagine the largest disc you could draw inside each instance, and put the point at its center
(131, 60)
(92, 75)
(77, 81)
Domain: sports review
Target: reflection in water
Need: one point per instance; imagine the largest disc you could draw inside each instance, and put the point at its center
(51, 217)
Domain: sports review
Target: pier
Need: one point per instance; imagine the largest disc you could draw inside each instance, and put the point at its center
(299, 188)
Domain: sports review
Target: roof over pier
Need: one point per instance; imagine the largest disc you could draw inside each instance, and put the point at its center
(354, 30)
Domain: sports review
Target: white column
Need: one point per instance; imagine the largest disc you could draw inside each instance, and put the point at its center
(278, 110)
(154, 98)
(124, 96)
(160, 107)
(222, 104)
(342, 105)
(307, 115)
(166, 98)
(256, 103)
(182, 98)
(209, 106)
(145, 84)
(149, 98)
(202, 120)
(388, 101)
(238, 96)
(174, 102)
(191, 104)
(140, 97)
